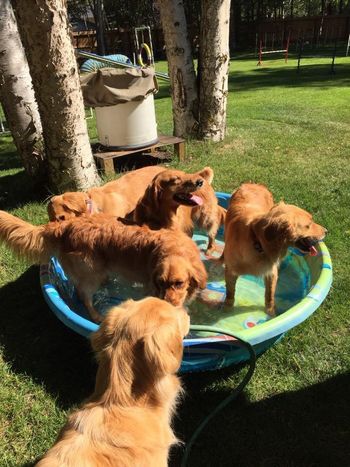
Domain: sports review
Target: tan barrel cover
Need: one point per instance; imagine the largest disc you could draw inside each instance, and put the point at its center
(111, 86)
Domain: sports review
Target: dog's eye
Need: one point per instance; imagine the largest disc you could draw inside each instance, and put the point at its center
(178, 284)
(61, 218)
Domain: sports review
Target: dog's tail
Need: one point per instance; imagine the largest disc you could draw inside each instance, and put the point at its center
(24, 239)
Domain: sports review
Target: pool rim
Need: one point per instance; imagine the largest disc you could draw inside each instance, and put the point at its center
(262, 332)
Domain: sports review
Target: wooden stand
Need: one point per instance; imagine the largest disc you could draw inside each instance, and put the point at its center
(104, 160)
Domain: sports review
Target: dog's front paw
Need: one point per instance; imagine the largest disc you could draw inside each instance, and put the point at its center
(271, 311)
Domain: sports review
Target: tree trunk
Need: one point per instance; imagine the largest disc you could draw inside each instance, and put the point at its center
(44, 30)
(17, 96)
(234, 20)
(214, 65)
(181, 69)
(274, 9)
(97, 9)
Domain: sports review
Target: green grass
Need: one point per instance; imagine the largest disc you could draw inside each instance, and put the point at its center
(290, 131)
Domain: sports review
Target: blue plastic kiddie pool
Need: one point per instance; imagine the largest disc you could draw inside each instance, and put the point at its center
(304, 282)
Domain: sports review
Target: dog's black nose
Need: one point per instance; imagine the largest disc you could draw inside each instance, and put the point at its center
(199, 183)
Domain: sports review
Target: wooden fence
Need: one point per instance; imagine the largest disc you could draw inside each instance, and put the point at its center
(119, 40)
(316, 30)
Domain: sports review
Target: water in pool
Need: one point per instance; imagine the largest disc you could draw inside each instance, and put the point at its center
(293, 284)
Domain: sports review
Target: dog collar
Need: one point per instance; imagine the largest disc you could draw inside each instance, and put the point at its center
(89, 205)
(258, 247)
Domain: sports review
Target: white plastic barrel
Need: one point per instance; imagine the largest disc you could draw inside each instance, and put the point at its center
(128, 125)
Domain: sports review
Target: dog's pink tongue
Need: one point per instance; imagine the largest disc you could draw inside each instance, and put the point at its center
(313, 251)
(197, 199)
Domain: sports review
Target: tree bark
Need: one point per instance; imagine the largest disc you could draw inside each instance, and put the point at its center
(97, 9)
(17, 96)
(44, 30)
(181, 69)
(214, 66)
(100, 28)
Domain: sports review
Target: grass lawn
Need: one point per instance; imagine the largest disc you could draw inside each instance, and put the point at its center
(290, 131)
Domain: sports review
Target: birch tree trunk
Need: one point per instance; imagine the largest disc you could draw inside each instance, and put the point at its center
(44, 29)
(181, 69)
(17, 96)
(213, 68)
(100, 27)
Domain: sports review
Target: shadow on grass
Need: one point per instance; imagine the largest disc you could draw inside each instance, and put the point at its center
(278, 75)
(9, 159)
(37, 344)
(164, 91)
(302, 428)
(18, 189)
(137, 160)
(310, 75)
(309, 51)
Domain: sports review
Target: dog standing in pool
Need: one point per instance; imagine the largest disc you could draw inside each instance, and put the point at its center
(258, 233)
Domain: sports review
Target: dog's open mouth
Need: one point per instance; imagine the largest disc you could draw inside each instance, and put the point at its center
(188, 199)
(307, 245)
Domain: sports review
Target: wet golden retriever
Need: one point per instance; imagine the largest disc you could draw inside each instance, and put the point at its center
(177, 200)
(257, 235)
(116, 198)
(93, 248)
(127, 420)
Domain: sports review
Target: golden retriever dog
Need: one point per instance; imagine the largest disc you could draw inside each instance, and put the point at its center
(257, 235)
(127, 420)
(93, 248)
(116, 198)
(176, 200)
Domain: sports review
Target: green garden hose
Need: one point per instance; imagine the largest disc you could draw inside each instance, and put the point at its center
(232, 396)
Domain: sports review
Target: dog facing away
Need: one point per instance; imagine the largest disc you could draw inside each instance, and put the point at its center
(176, 200)
(127, 420)
(116, 198)
(257, 235)
(93, 248)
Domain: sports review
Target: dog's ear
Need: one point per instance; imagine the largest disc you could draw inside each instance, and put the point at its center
(163, 349)
(199, 275)
(102, 338)
(149, 203)
(109, 329)
(207, 173)
(156, 277)
(51, 207)
(152, 195)
(273, 228)
(75, 202)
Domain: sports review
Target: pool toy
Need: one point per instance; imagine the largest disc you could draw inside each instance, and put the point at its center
(304, 282)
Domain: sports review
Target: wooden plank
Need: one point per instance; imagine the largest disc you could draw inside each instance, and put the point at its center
(179, 149)
(108, 166)
(163, 141)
